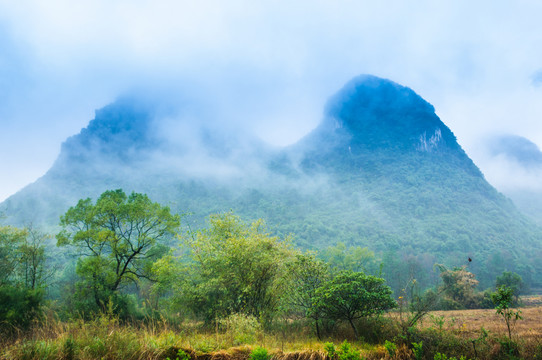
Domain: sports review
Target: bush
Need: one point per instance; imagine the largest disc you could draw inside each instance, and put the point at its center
(19, 306)
(259, 354)
(344, 352)
(241, 329)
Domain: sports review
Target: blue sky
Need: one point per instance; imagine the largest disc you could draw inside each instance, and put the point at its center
(270, 65)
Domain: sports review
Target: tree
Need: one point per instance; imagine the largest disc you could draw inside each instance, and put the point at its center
(459, 288)
(354, 258)
(306, 275)
(512, 281)
(503, 300)
(10, 240)
(22, 260)
(353, 295)
(32, 258)
(236, 268)
(117, 238)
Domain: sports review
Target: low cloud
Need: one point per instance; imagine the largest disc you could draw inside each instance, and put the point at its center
(266, 66)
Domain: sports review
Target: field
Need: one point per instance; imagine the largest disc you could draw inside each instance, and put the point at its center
(468, 323)
(451, 332)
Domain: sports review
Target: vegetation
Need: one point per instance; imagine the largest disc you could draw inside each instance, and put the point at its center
(22, 261)
(307, 274)
(512, 281)
(117, 240)
(137, 286)
(350, 296)
(380, 173)
(503, 300)
(235, 268)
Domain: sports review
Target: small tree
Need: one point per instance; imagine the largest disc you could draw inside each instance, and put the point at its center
(10, 241)
(353, 295)
(118, 238)
(306, 275)
(459, 287)
(236, 268)
(512, 281)
(503, 299)
(33, 258)
(21, 281)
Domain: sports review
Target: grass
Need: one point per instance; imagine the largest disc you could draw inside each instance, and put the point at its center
(454, 333)
(467, 323)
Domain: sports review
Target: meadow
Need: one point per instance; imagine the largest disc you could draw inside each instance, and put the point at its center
(454, 334)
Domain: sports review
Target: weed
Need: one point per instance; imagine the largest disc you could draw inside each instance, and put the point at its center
(439, 356)
(241, 329)
(181, 355)
(391, 348)
(259, 353)
(329, 349)
(417, 349)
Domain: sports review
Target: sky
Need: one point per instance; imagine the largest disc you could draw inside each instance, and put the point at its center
(268, 65)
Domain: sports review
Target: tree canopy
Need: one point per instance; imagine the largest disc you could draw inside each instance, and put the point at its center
(236, 268)
(353, 295)
(118, 238)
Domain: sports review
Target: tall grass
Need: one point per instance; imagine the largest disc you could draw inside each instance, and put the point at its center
(235, 338)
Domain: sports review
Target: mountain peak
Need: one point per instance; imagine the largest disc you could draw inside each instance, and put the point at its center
(116, 128)
(380, 113)
(369, 92)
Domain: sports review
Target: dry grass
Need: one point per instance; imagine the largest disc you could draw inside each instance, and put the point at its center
(107, 338)
(468, 323)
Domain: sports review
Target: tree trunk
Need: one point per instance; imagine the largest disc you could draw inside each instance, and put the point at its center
(354, 328)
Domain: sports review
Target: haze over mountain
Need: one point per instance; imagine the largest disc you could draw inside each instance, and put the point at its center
(381, 170)
(514, 166)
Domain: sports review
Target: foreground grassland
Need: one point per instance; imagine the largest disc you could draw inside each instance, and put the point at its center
(471, 334)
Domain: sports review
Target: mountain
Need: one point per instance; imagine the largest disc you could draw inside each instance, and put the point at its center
(517, 148)
(515, 165)
(381, 170)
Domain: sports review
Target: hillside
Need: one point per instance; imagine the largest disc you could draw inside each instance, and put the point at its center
(381, 170)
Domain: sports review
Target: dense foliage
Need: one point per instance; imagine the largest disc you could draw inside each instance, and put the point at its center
(117, 240)
(350, 296)
(22, 262)
(235, 268)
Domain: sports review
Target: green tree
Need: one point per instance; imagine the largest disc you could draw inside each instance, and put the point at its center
(353, 258)
(118, 238)
(503, 300)
(22, 261)
(236, 268)
(512, 281)
(33, 258)
(10, 240)
(306, 275)
(353, 295)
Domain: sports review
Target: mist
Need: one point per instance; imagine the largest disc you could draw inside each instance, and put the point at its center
(267, 67)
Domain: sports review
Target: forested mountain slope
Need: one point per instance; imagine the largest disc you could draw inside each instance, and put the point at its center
(381, 170)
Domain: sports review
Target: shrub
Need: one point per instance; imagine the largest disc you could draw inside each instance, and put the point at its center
(241, 329)
(19, 305)
(347, 352)
(391, 348)
(329, 349)
(259, 354)
(344, 352)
